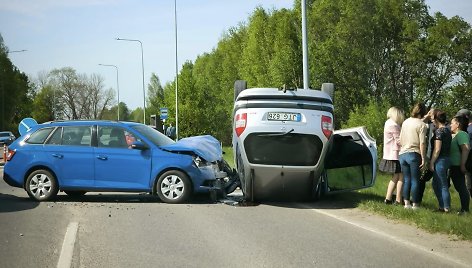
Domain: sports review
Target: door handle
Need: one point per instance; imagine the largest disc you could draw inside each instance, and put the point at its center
(60, 156)
(102, 157)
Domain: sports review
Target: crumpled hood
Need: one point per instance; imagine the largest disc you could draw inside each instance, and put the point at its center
(207, 147)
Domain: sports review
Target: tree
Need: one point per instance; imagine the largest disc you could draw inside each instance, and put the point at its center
(78, 96)
(155, 99)
(16, 92)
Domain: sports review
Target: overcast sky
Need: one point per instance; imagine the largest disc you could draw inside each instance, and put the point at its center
(81, 34)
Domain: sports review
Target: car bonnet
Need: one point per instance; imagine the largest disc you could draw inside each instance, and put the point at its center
(207, 147)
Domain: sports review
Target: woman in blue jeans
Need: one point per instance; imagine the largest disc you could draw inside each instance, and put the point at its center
(440, 160)
(412, 153)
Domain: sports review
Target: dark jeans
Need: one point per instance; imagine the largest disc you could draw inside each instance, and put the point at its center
(458, 179)
(421, 188)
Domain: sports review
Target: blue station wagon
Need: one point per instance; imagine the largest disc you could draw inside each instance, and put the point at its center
(81, 156)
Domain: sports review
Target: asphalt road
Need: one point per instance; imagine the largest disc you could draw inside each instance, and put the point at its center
(132, 230)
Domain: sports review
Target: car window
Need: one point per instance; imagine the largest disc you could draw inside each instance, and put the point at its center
(153, 135)
(56, 137)
(77, 135)
(39, 136)
(115, 137)
(4, 134)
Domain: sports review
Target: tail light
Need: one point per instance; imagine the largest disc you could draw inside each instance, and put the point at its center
(327, 125)
(240, 123)
(10, 154)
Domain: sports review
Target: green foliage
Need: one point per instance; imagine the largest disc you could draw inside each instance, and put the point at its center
(373, 116)
(16, 93)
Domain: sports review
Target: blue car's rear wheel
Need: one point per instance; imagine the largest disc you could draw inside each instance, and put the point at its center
(41, 185)
(173, 187)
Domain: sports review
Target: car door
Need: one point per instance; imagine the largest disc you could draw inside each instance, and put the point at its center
(71, 154)
(117, 165)
(350, 163)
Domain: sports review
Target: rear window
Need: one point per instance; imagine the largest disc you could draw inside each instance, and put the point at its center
(39, 136)
(288, 150)
(4, 134)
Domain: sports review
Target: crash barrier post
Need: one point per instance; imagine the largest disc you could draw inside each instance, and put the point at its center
(5, 150)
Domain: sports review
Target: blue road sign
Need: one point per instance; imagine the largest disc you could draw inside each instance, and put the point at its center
(164, 114)
(26, 124)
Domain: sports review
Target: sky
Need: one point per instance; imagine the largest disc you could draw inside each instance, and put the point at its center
(81, 34)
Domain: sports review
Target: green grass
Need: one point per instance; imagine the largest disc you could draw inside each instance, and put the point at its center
(228, 155)
(371, 199)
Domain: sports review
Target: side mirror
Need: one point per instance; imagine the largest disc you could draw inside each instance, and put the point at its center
(139, 145)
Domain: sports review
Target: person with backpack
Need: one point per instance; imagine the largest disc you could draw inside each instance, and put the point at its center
(459, 152)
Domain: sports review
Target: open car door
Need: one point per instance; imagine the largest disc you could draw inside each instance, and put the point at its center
(351, 161)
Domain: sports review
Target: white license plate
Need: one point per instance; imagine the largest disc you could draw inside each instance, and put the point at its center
(278, 116)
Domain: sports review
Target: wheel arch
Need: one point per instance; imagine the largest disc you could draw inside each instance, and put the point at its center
(38, 167)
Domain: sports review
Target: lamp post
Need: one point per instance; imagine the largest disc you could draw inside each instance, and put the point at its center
(176, 76)
(117, 86)
(16, 51)
(142, 65)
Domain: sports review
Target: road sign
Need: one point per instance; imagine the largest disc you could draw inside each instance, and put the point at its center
(164, 114)
(26, 124)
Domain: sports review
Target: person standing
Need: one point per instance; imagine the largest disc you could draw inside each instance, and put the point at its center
(170, 132)
(459, 151)
(389, 162)
(440, 160)
(466, 113)
(412, 153)
(426, 173)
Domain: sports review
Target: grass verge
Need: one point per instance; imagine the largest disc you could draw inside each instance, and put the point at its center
(426, 218)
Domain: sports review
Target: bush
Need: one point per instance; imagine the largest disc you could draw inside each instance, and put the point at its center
(373, 116)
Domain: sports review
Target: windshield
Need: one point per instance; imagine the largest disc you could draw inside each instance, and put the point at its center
(4, 134)
(153, 135)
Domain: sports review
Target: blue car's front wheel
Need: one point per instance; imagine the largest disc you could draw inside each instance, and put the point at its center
(173, 187)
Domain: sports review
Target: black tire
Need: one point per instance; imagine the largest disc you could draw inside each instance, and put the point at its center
(41, 185)
(246, 183)
(75, 193)
(239, 86)
(173, 187)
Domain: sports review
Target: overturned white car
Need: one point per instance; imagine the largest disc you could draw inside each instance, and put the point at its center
(285, 147)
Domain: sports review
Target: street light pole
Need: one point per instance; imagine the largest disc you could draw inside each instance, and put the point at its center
(117, 86)
(142, 65)
(176, 77)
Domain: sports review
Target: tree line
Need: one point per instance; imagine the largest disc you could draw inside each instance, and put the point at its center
(377, 53)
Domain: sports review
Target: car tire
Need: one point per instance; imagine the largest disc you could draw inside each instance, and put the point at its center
(246, 186)
(239, 86)
(41, 185)
(75, 193)
(173, 187)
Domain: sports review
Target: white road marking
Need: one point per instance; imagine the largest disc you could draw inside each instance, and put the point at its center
(391, 237)
(65, 259)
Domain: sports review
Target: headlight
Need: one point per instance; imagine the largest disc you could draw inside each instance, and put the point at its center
(200, 162)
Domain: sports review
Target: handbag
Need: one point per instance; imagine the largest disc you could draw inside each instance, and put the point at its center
(427, 175)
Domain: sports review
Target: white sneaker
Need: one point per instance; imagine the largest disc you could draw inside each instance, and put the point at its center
(408, 207)
(415, 207)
